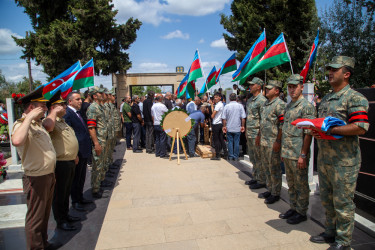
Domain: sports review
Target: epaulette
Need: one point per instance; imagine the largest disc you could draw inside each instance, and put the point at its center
(21, 119)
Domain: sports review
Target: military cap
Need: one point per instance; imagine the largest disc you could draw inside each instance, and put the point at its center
(55, 99)
(106, 91)
(34, 96)
(112, 92)
(256, 80)
(295, 79)
(341, 61)
(95, 90)
(273, 83)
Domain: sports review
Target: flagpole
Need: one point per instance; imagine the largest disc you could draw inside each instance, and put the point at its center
(290, 59)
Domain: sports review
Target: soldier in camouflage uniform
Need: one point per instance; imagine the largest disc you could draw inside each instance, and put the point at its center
(339, 160)
(253, 109)
(96, 122)
(295, 148)
(116, 117)
(269, 139)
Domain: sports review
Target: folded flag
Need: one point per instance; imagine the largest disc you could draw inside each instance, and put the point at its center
(228, 66)
(311, 59)
(323, 124)
(252, 57)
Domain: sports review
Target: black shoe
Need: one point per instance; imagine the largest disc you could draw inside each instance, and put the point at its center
(272, 199)
(287, 214)
(338, 246)
(137, 151)
(99, 195)
(84, 201)
(66, 227)
(257, 186)
(264, 195)
(215, 158)
(73, 218)
(53, 245)
(322, 238)
(78, 207)
(251, 182)
(296, 219)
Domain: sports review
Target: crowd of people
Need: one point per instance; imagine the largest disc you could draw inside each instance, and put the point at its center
(55, 150)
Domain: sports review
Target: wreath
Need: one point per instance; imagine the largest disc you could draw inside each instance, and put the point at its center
(192, 122)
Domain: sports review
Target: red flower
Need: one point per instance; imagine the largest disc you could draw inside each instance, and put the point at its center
(14, 95)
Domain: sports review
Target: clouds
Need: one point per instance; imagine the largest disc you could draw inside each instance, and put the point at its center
(176, 34)
(7, 44)
(156, 12)
(219, 44)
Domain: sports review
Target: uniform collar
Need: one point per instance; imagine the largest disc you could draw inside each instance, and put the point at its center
(336, 95)
(270, 102)
(296, 103)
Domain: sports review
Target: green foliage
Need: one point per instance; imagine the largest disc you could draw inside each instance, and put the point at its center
(72, 30)
(350, 30)
(142, 91)
(297, 19)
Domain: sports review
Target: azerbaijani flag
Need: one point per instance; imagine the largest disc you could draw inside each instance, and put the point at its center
(276, 55)
(210, 81)
(195, 68)
(182, 87)
(85, 76)
(311, 59)
(228, 66)
(49, 87)
(190, 90)
(252, 57)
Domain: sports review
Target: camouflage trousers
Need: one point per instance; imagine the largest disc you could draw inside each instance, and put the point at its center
(254, 154)
(272, 170)
(97, 172)
(337, 186)
(298, 183)
(108, 154)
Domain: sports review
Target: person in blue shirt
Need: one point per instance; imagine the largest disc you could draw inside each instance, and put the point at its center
(199, 117)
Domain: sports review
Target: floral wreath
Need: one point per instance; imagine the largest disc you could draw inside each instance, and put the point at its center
(170, 111)
(17, 96)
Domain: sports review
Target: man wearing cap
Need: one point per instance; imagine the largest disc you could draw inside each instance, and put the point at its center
(116, 117)
(253, 108)
(295, 148)
(339, 161)
(96, 122)
(66, 146)
(38, 159)
(270, 132)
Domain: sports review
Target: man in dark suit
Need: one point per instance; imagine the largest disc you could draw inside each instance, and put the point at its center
(74, 119)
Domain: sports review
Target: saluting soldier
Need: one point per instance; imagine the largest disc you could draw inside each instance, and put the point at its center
(66, 146)
(38, 159)
(269, 139)
(96, 122)
(295, 150)
(253, 108)
(339, 161)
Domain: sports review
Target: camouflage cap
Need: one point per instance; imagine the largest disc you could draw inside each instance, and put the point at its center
(112, 92)
(256, 80)
(273, 83)
(95, 90)
(341, 61)
(106, 91)
(295, 79)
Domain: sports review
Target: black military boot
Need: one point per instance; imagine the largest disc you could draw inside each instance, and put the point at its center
(287, 214)
(322, 238)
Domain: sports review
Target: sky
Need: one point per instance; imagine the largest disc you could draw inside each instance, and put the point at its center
(171, 32)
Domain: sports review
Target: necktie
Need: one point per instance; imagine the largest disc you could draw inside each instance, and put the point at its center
(80, 117)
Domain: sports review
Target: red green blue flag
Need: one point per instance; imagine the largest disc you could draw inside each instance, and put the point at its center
(195, 68)
(210, 81)
(311, 59)
(252, 57)
(182, 87)
(85, 76)
(228, 66)
(190, 90)
(56, 82)
(276, 55)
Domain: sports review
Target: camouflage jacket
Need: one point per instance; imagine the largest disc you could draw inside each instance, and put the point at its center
(351, 107)
(96, 118)
(116, 118)
(292, 139)
(271, 120)
(109, 117)
(253, 109)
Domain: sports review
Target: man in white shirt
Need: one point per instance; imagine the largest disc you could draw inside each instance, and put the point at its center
(233, 124)
(193, 105)
(157, 111)
(217, 128)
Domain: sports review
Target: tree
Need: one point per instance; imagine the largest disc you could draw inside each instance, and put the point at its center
(297, 19)
(7, 88)
(72, 30)
(350, 31)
